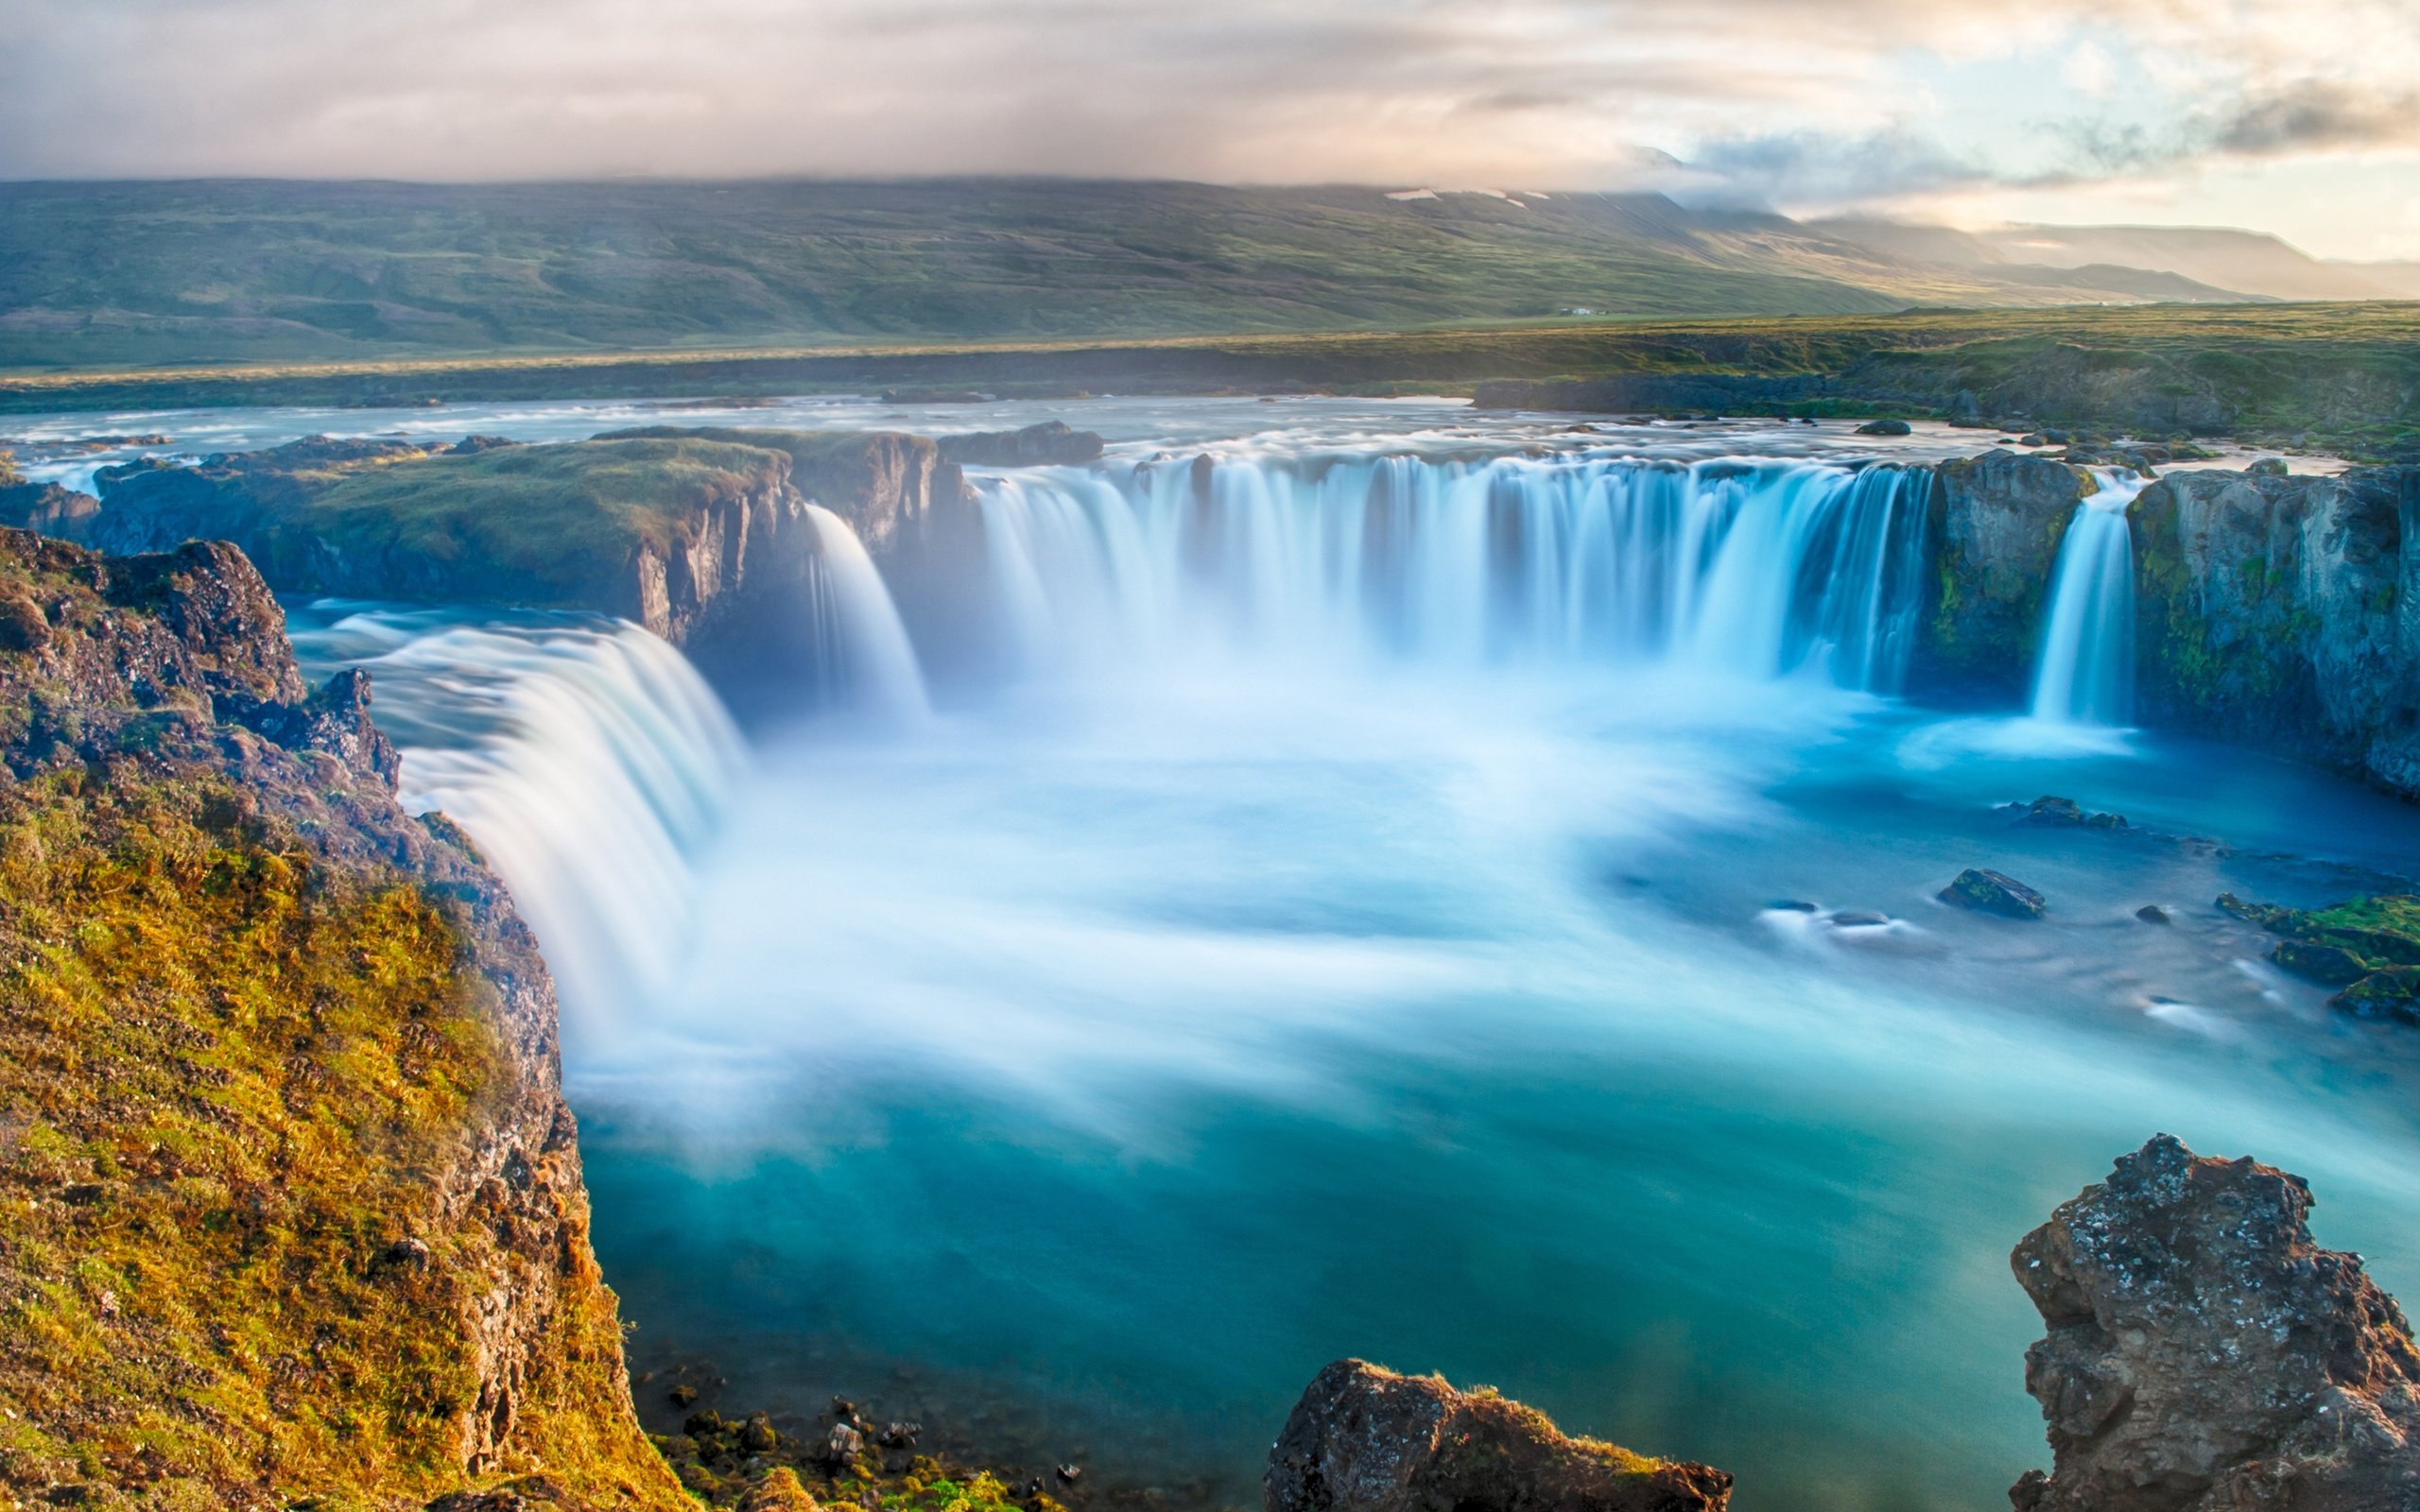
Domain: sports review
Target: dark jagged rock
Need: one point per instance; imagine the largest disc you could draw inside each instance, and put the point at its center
(1365, 1439)
(1050, 443)
(1993, 892)
(2204, 1355)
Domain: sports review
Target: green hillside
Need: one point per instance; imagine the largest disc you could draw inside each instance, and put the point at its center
(139, 273)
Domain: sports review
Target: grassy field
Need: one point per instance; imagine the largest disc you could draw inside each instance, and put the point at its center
(143, 274)
(2342, 374)
(215, 271)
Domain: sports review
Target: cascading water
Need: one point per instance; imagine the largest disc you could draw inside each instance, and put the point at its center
(587, 757)
(2086, 671)
(1756, 568)
(864, 659)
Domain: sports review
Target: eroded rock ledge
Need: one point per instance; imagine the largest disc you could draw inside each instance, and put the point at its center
(2204, 1354)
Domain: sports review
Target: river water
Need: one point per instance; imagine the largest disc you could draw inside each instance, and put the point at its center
(1455, 891)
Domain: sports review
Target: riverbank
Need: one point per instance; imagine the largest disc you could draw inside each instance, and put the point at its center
(2325, 376)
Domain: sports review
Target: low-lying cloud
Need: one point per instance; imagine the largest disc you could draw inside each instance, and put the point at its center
(1797, 102)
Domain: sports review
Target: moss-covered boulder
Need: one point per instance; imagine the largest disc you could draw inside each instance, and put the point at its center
(2370, 947)
(291, 1205)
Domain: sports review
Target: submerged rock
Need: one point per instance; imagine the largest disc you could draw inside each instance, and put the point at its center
(1365, 1439)
(2204, 1355)
(2154, 914)
(1994, 893)
(2052, 813)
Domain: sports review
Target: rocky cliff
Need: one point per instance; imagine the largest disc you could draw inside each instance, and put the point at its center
(702, 535)
(2280, 612)
(293, 1204)
(1996, 522)
(2204, 1355)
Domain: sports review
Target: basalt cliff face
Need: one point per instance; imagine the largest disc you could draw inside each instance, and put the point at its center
(1996, 524)
(2204, 1355)
(2275, 612)
(294, 1206)
(2281, 611)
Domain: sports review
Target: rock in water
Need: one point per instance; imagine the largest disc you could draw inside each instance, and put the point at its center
(1992, 892)
(2204, 1355)
(1365, 1439)
(1885, 428)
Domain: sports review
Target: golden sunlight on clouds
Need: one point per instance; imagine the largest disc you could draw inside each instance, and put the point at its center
(1913, 105)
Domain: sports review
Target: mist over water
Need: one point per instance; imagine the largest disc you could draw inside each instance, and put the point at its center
(1472, 912)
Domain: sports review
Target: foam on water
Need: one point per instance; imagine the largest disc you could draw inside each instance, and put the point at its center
(1352, 927)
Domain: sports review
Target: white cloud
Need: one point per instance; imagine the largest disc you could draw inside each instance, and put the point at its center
(1804, 101)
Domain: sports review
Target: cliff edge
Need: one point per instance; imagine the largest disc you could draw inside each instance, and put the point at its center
(291, 1205)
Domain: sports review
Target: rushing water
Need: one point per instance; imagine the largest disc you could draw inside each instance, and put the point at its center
(2087, 671)
(587, 757)
(1758, 568)
(1472, 910)
(865, 662)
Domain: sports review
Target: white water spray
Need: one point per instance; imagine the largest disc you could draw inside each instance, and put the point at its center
(1758, 569)
(2086, 671)
(588, 760)
(864, 659)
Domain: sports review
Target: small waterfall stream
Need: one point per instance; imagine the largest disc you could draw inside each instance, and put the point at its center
(1754, 568)
(864, 660)
(2085, 674)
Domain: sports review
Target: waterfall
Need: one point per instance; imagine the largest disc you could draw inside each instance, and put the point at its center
(1759, 568)
(2086, 671)
(586, 757)
(863, 658)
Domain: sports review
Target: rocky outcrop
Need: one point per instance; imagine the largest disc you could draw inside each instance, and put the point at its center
(1365, 1439)
(1997, 523)
(887, 486)
(2284, 612)
(45, 508)
(704, 537)
(2204, 1355)
(362, 1197)
(1048, 444)
(2368, 947)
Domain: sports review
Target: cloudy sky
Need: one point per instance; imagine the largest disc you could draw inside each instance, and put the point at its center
(2297, 117)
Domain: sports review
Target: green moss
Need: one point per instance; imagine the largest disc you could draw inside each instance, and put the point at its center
(548, 526)
(225, 1074)
(745, 1464)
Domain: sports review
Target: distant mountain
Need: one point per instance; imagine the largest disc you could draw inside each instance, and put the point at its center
(2252, 263)
(202, 271)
